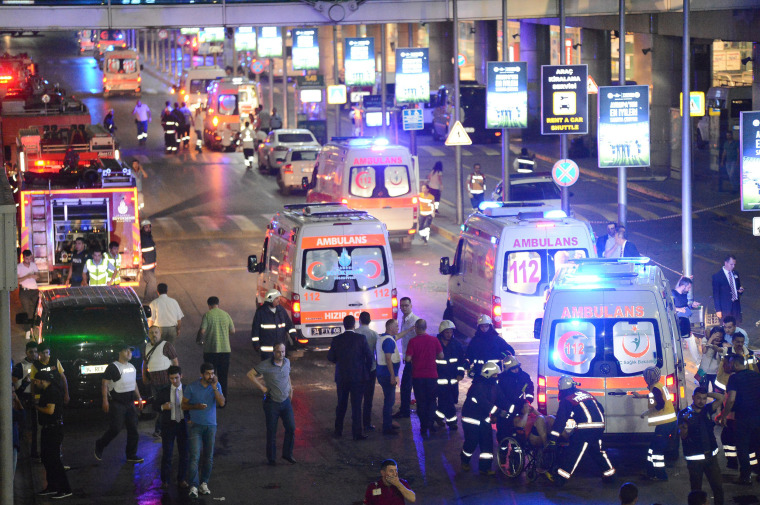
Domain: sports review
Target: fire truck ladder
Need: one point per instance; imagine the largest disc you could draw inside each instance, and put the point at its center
(39, 238)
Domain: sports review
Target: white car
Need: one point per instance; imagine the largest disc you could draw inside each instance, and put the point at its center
(273, 150)
(530, 188)
(297, 170)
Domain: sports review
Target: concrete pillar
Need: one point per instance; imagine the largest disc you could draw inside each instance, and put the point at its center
(666, 63)
(441, 54)
(326, 65)
(595, 52)
(486, 48)
(154, 40)
(535, 49)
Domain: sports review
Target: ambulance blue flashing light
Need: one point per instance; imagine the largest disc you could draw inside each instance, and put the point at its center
(641, 260)
(555, 214)
(584, 279)
(489, 205)
(381, 142)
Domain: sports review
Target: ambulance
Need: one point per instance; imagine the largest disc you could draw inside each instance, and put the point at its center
(605, 321)
(193, 86)
(369, 174)
(328, 261)
(505, 260)
(230, 101)
(121, 72)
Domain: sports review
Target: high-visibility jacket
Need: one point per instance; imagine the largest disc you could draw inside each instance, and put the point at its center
(426, 204)
(99, 273)
(116, 262)
(271, 328)
(453, 363)
(247, 138)
(477, 183)
(665, 415)
(481, 402)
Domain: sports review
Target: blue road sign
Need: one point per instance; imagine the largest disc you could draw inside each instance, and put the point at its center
(412, 119)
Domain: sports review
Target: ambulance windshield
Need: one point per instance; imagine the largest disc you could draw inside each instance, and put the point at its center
(530, 272)
(200, 85)
(343, 269)
(605, 347)
(380, 181)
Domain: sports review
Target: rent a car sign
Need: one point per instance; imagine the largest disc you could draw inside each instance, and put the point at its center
(564, 99)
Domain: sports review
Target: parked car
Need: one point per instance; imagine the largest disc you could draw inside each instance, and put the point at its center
(273, 150)
(297, 170)
(536, 187)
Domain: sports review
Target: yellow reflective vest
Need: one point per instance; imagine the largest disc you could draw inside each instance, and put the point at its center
(116, 263)
(668, 413)
(99, 274)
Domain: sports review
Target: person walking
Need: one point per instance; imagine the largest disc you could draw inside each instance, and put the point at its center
(476, 186)
(727, 290)
(353, 360)
(450, 371)
(139, 173)
(700, 448)
(179, 122)
(148, 252)
(662, 415)
(272, 377)
(216, 328)
(142, 116)
(119, 383)
(108, 123)
(406, 332)
(46, 363)
(271, 325)
(78, 258)
(166, 314)
(169, 124)
(369, 388)
(113, 256)
(388, 363)
(275, 121)
(198, 119)
(435, 183)
(201, 398)
(684, 309)
(423, 351)
(427, 209)
(98, 271)
(478, 411)
(390, 489)
(264, 118)
(187, 116)
(22, 385)
(729, 160)
(28, 291)
(159, 355)
(50, 415)
(524, 162)
(247, 139)
(168, 402)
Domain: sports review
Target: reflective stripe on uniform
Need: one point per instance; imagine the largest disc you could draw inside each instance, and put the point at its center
(467, 454)
(486, 455)
(443, 382)
(470, 420)
(590, 425)
(440, 414)
(268, 326)
(440, 362)
(254, 339)
(665, 417)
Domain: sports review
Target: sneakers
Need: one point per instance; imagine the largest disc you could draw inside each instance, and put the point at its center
(98, 453)
(61, 494)
(204, 488)
(47, 492)
(135, 459)
(193, 493)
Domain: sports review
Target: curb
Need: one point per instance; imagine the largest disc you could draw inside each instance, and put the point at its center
(443, 232)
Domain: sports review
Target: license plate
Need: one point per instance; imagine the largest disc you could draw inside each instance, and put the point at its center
(89, 369)
(319, 331)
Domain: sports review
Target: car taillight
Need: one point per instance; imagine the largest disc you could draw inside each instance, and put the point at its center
(542, 394)
(671, 383)
(296, 308)
(288, 169)
(171, 91)
(496, 311)
(344, 201)
(139, 78)
(215, 121)
(138, 402)
(394, 302)
(104, 80)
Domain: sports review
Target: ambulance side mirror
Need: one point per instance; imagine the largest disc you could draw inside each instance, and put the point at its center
(537, 328)
(253, 264)
(445, 266)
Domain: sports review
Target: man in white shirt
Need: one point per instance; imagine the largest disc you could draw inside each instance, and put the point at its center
(28, 274)
(142, 116)
(166, 314)
(405, 334)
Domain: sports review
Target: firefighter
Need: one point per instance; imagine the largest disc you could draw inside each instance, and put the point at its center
(187, 116)
(517, 389)
(148, 270)
(524, 162)
(247, 138)
(427, 208)
(271, 325)
(450, 372)
(98, 271)
(477, 411)
(487, 345)
(179, 121)
(662, 416)
(170, 129)
(579, 409)
(114, 256)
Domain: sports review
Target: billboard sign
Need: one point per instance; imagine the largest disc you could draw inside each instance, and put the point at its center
(245, 39)
(359, 61)
(564, 99)
(269, 42)
(507, 95)
(623, 131)
(412, 75)
(305, 49)
(749, 157)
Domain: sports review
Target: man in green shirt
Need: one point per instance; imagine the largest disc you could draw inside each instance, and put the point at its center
(216, 328)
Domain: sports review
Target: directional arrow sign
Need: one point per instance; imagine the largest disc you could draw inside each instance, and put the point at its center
(565, 173)
(336, 94)
(457, 136)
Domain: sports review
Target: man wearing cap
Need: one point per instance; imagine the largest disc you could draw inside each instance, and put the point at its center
(578, 408)
(148, 251)
(271, 325)
(120, 384)
(450, 372)
(216, 328)
(50, 414)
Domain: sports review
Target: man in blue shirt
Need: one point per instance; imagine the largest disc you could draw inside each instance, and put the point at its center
(388, 363)
(201, 398)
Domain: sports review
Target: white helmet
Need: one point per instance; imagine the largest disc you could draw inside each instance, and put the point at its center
(145, 222)
(484, 319)
(511, 362)
(272, 295)
(566, 382)
(489, 370)
(446, 325)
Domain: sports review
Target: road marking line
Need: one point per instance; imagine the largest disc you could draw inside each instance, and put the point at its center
(206, 223)
(167, 226)
(466, 152)
(645, 214)
(606, 214)
(490, 152)
(244, 223)
(432, 151)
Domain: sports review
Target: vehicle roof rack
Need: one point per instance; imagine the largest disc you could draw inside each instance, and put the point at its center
(325, 210)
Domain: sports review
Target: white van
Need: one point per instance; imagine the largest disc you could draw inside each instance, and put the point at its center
(505, 260)
(121, 72)
(193, 85)
(606, 320)
(328, 261)
(368, 174)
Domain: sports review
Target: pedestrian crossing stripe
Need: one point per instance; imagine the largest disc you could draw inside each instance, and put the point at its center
(198, 227)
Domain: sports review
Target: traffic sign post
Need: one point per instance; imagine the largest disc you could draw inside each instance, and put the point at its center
(257, 67)
(412, 119)
(565, 173)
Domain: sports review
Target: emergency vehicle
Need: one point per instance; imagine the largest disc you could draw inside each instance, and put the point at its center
(505, 260)
(193, 85)
(87, 39)
(121, 72)
(605, 321)
(110, 39)
(369, 174)
(50, 220)
(328, 261)
(41, 157)
(16, 74)
(230, 101)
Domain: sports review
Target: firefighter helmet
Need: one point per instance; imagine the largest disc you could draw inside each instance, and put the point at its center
(272, 295)
(511, 362)
(484, 319)
(446, 325)
(145, 222)
(489, 370)
(566, 382)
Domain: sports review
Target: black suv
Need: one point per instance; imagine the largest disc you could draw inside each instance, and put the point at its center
(85, 328)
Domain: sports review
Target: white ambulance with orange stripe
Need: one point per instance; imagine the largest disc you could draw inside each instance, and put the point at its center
(369, 174)
(506, 258)
(328, 261)
(606, 320)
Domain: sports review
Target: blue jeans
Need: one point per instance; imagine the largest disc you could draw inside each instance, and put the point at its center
(201, 437)
(389, 398)
(142, 131)
(273, 412)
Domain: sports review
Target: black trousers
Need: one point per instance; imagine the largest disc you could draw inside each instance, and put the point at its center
(30, 421)
(221, 362)
(448, 397)
(369, 395)
(354, 389)
(474, 436)
(406, 389)
(585, 441)
(710, 468)
(51, 440)
(170, 432)
(425, 392)
(121, 414)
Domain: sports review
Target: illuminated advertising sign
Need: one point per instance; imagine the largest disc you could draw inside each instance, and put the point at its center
(749, 157)
(211, 35)
(623, 132)
(412, 76)
(245, 39)
(507, 95)
(269, 42)
(359, 61)
(564, 99)
(305, 49)
(310, 95)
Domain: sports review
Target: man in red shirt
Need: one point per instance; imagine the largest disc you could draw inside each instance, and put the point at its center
(422, 351)
(389, 490)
